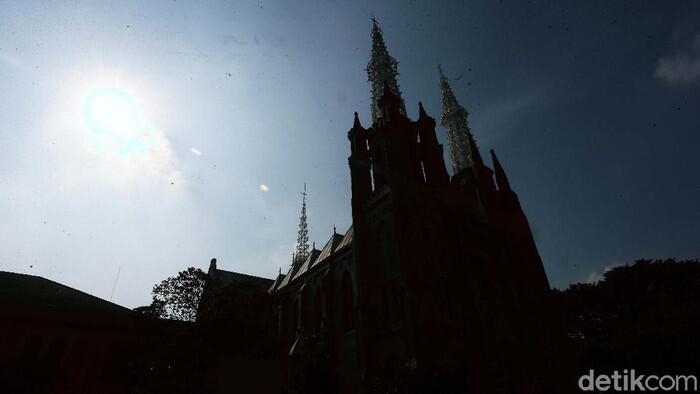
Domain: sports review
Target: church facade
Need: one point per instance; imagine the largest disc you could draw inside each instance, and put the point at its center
(437, 286)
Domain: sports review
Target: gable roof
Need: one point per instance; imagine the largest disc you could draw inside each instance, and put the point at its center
(226, 278)
(307, 263)
(287, 278)
(347, 239)
(329, 248)
(277, 282)
(26, 292)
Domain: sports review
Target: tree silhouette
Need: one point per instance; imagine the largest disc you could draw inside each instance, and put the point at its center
(177, 297)
(156, 309)
(644, 316)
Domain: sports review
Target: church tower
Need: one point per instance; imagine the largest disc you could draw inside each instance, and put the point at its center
(438, 260)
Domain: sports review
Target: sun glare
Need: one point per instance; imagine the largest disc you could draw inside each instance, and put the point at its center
(110, 109)
(112, 115)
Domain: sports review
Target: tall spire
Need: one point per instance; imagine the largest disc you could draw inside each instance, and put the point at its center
(454, 120)
(302, 251)
(381, 69)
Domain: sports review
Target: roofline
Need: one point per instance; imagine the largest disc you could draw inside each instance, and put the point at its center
(70, 288)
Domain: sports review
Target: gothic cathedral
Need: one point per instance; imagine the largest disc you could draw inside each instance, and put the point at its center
(437, 286)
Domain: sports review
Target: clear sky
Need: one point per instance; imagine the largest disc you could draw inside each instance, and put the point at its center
(136, 135)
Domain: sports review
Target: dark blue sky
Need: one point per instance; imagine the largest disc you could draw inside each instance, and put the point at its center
(591, 106)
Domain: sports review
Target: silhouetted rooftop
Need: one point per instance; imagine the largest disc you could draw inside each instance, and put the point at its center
(307, 263)
(347, 239)
(329, 248)
(277, 282)
(20, 291)
(225, 278)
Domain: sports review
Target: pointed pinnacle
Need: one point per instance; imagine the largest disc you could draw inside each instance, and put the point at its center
(501, 178)
(477, 162)
(356, 122)
(421, 111)
(377, 31)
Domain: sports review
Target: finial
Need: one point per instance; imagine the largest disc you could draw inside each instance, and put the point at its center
(334, 230)
(313, 245)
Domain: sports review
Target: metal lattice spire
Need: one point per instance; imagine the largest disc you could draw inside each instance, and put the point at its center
(302, 251)
(454, 120)
(381, 67)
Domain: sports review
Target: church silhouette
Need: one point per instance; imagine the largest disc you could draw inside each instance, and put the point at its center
(436, 287)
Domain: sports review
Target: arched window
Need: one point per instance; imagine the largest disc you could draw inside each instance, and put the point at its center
(348, 302)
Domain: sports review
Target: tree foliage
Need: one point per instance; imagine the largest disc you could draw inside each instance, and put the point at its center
(177, 297)
(641, 316)
(156, 309)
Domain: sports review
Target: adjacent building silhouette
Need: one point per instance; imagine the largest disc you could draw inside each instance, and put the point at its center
(436, 286)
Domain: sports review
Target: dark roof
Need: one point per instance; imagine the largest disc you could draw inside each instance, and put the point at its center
(287, 277)
(347, 239)
(225, 278)
(307, 263)
(336, 243)
(276, 283)
(329, 248)
(26, 292)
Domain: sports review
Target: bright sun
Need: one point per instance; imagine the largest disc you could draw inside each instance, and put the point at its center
(111, 110)
(112, 115)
